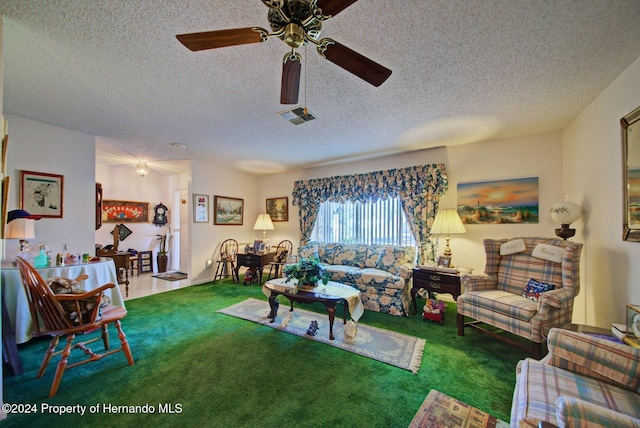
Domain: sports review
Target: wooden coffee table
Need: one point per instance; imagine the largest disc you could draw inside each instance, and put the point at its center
(329, 295)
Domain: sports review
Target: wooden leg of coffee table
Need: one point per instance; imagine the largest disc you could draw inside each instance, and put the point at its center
(332, 314)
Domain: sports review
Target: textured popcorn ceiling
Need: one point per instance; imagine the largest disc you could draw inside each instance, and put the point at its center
(463, 71)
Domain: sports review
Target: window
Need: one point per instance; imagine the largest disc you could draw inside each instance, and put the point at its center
(381, 222)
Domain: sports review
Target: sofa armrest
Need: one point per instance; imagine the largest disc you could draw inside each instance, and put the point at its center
(478, 282)
(560, 298)
(405, 270)
(574, 412)
(598, 358)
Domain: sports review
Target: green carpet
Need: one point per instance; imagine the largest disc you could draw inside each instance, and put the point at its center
(214, 370)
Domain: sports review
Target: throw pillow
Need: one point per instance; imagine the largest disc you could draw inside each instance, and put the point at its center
(548, 252)
(535, 288)
(512, 247)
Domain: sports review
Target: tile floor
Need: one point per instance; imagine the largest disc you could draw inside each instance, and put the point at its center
(146, 284)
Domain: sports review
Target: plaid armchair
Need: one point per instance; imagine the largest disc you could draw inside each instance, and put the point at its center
(496, 298)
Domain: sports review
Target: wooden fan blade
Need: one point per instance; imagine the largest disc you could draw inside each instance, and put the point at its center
(290, 80)
(366, 69)
(223, 38)
(333, 7)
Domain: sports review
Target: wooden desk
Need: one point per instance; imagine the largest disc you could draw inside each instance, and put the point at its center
(255, 261)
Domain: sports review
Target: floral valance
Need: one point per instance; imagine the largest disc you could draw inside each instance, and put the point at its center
(370, 186)
(418, 187)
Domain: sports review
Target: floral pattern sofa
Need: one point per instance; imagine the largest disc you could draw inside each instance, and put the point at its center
(380, 272)
(583, 381)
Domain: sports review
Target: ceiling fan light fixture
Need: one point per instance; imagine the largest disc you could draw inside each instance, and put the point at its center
(294, 35)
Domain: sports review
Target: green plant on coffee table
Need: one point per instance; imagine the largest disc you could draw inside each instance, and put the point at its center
(307, 272)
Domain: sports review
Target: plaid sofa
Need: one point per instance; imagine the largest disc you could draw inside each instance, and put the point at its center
(380, 272)
(496, 299)
(583, 381)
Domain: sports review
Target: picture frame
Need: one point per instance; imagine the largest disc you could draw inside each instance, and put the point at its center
(125, 211)
(200, 208)
(123, 231)
(228, 211)
(444, 261)
(257, 245)
(278, 208)
(42, 193)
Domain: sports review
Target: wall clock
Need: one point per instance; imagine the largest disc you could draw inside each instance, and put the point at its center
(160, 214)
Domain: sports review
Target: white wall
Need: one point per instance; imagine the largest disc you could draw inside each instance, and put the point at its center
(206, 237)
(593, 174)
(534, 156)
(121, 183)
(35, 146)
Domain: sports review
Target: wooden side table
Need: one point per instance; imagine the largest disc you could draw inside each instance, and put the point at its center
(434, 281)
(255, 261)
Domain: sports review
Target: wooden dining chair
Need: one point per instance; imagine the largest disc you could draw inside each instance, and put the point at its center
(226, 264)
(283, 250)
(51, 319)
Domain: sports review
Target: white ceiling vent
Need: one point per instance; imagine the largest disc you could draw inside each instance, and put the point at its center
(297, 115)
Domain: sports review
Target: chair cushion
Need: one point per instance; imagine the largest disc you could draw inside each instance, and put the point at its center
(512, 247)
(548, 252)
(534, 288)
(501, 303)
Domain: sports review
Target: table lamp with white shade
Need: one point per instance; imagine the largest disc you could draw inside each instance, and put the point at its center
(447, 222)
(263, 223)
(21, 225)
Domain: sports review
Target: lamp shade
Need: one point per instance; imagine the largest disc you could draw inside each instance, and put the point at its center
(565, 212)
(21, 228)
(263, 222)
(447, 222)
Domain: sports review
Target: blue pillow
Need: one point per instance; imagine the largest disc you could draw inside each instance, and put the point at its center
(535, 288)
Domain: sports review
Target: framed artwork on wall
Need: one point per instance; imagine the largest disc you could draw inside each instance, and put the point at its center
(200, 208)
(228, 211)
(41, 193)
(125, 211)
(278, 209)
(511, 201)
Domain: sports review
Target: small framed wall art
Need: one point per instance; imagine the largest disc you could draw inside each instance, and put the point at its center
(200, 208)
(228, 211)
(41, 193)
(125, 211)
(278, 209)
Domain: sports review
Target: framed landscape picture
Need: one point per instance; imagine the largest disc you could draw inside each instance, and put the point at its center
(278, 209)
(41, 193)
(125, 211)
(200, 208)
(510, 201)
(228, 211)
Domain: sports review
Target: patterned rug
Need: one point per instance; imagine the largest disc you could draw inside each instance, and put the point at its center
(387, 346)
(171, 276)
(440, 410)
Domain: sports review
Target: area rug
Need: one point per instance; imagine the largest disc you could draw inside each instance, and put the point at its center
(171, 276)
(393, 348)
(440, 410)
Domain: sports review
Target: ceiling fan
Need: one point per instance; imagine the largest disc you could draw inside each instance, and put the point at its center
(295, 22)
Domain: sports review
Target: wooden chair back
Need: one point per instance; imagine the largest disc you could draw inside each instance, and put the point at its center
(42, 302)
(283, 246)
(229, 247)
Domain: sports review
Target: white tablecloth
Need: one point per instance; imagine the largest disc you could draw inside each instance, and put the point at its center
(332, 289)
(15, 299)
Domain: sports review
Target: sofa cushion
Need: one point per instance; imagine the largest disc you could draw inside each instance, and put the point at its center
(507, 304)
(342, 273)
(379, 279)
(350, 255)
(327, 251)
(392, 257)
(548, 252)
(373, 255)
(535, 288)
(308, 251)
(512, 247)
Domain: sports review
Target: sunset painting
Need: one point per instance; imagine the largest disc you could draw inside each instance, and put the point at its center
(499, 202)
